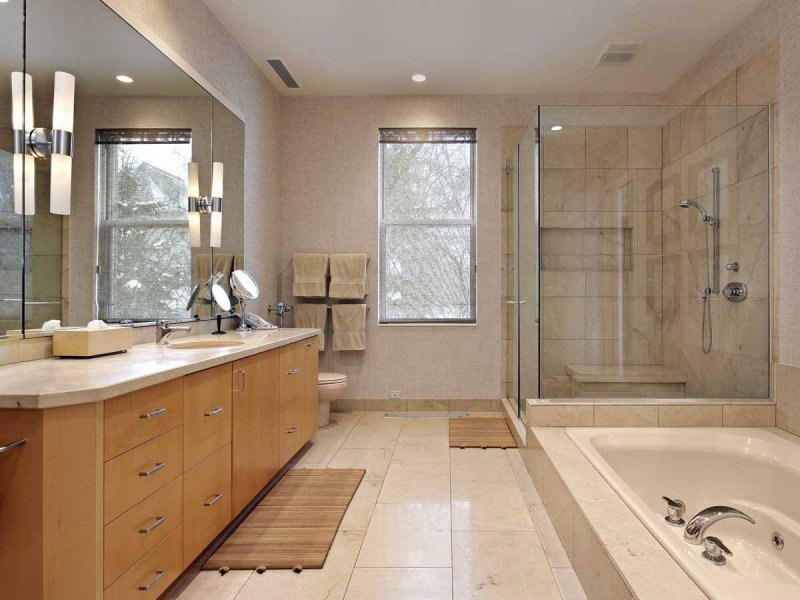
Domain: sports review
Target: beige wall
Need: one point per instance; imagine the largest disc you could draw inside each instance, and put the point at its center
(190, 30)
(330, 198)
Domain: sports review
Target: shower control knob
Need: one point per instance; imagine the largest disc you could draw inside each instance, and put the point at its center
(675, 508)
(735, 291)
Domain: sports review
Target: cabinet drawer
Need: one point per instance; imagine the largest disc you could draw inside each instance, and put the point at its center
(131, 477)
(152, 575)
(140, 416)
(206, 502)
(291, 371)
(291, 430)
(137, 531)
(206, 413)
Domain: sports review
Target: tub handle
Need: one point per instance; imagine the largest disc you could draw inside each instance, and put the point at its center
(675, 508)
(715, 550)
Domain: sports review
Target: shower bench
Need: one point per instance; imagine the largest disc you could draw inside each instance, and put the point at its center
(630, 381)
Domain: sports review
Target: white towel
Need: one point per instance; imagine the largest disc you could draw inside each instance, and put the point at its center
(348, 276)
(350, 327)
(310, 274)
(313, 316)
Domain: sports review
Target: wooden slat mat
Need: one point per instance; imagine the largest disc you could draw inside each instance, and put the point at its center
(294, 525)
(480, 433)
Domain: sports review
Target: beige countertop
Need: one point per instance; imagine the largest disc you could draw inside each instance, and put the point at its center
(56, 382)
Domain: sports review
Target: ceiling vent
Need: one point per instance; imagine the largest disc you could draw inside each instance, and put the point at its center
(616, 53)
(282, 72)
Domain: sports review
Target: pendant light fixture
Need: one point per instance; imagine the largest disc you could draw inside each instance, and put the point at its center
(203, 205)
(31, 142)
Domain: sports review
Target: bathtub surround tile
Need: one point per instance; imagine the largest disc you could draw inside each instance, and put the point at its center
(568, 584)
(495, 506)
(787, 398)
(577, 415)
(553, 548)
(624, 415)
(498, 566)
(400, 584)
(748, 415)
(407, 536)
(690, 416)
(594, 568)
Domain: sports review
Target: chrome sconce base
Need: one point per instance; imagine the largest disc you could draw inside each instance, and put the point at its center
(204, 205)
(43, 143)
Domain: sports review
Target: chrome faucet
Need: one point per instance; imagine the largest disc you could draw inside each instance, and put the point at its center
(164, 331)
(696, 528)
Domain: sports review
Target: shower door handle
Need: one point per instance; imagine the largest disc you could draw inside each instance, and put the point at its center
(516, 301)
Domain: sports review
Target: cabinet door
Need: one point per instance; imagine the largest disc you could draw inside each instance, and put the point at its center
(206, 413)
(256, 420)
(310, 402)
(291, 371)
(206, 502)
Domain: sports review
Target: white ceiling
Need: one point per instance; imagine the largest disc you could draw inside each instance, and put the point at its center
(358, 47)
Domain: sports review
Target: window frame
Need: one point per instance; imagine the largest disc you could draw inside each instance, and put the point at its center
(434, 135)
(105, 159)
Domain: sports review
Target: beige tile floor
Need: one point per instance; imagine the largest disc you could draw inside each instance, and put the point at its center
(427, 523)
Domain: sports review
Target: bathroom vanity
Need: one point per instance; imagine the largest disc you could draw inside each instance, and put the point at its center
(133, 464)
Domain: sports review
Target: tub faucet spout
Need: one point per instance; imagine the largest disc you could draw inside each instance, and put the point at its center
(697, 526)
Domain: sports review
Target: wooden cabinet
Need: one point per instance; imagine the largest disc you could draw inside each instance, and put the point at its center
(291, 371)
(291, 436)
(256, 420)
(206, 502)
(309, 420)
(206, 413)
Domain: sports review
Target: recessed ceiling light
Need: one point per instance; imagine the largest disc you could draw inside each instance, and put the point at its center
(418, 77)
(124, 79)
(556, 128)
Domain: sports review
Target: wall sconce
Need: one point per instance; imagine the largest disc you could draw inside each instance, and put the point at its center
(31, 142)
(203, 205)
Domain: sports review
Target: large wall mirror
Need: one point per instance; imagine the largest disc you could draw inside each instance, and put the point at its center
(104, 226)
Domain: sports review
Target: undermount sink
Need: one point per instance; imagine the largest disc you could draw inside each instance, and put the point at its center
(199, 345)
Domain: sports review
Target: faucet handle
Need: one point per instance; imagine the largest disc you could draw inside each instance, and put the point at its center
(675, 508)
(715, 550)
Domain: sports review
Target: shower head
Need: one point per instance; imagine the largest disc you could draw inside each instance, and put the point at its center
(691, 203)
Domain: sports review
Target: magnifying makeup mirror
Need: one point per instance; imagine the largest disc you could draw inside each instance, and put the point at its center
(221, 297)
(245, 288)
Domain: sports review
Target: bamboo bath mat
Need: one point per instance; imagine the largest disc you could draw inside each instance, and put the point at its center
(293, 525)
(480, 433)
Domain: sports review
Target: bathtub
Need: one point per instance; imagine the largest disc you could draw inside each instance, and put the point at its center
(750, 469)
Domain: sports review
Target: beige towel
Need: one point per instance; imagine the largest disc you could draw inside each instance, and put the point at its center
(349, 326)
(314, 316)
(348, 276)
(310, 273)
(201, 271)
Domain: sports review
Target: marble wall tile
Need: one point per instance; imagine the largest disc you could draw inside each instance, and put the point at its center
(610, 219)
(671, 139)
(693, 173)
(563, 220)
(648, 234)
(644, 148)
(563, 318)
(563, 190)
(557, 353)
(561, 241)
(665, 390)
(748, 415)
(574, 415)
(753, 145)
(605, 318)
(753, 332)
(616, 284)
(565, 148)
(721, 153)
(671, 186)
(693, 128)
(787, 397)
(626, 416)
(606, 147)
(671, 228)
(720, 119)
(647, 189)
(690, 416)
(643, 318)
(563, 284)
(608, 262)
(560, 507)
(752, 377)
(757, 79)
(723, 93)
(753, 206)
(606, 241)
(608, 190)
(560, 262)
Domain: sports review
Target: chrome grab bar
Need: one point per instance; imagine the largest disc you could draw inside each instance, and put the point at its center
(155, 413)
(12, 445)
(214, 412)
(156, 523)
(155, 469)
(217, 497)
(156, 579)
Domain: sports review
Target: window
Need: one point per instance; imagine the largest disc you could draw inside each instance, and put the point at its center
(427, 225)
(145, 260)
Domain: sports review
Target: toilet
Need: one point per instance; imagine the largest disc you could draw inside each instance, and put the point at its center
(331, 386)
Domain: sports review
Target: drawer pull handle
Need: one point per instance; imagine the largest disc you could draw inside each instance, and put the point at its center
(155, 469)
(217, 497)
(155, 580)
(243, 380)
(156, 413)
(214, 412)
(12, 445)
(291, 430)
(292, 371)
(156, 523)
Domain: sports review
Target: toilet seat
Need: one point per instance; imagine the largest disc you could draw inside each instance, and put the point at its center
(331, 378)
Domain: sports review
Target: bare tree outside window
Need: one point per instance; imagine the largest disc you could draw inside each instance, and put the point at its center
(427, 225)
(145, 255)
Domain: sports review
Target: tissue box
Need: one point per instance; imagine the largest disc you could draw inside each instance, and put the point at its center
(87, 343)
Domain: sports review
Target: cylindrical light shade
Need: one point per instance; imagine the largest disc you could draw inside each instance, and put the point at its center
(194, 229)
(64, 101)
(216, 230)
(21, 101)
(194, 181)
(217, 172)
(60, 183)
(24, 163)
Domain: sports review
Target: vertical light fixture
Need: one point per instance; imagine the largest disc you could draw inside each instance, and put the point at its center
(62, 145)
(22, 123)
(217, 173)
(202, 205)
